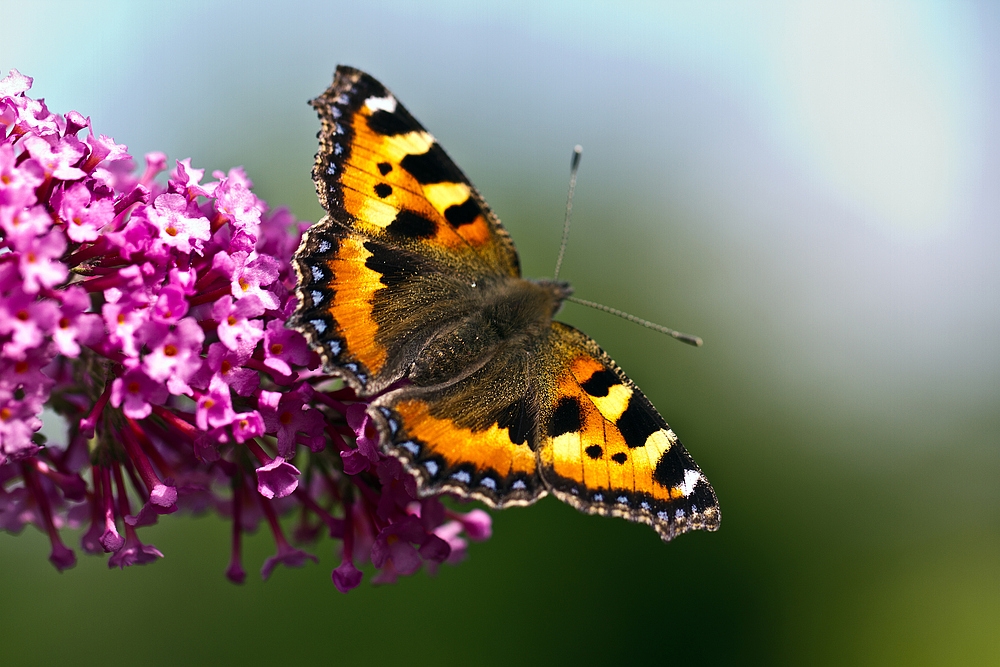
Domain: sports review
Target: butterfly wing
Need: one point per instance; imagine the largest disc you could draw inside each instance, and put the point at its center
(475, 437)
(405, 236)
(604, 449)
(550, 413)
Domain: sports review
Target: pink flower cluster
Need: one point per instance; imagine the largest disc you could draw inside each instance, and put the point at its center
(150, 318)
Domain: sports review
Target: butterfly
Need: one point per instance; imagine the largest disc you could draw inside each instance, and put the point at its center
(410, 290)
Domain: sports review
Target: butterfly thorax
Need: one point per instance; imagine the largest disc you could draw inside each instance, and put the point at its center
(500, 314)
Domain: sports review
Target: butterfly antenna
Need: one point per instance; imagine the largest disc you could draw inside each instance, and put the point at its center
(574, 167)
(682, 337)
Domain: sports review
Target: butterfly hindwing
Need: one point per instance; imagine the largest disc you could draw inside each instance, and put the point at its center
(475, 437)
(604, 448)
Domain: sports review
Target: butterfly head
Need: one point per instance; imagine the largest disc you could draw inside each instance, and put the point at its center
(559, 289)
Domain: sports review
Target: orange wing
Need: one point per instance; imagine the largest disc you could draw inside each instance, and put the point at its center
(405, 237)
(382, 174)
(475, 437)
(604, 449)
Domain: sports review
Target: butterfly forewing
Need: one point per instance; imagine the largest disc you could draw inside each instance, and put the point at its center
(405, 237)
(604, 449)
(380, 172)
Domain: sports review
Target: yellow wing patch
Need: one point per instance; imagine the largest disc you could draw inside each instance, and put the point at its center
(443, 196)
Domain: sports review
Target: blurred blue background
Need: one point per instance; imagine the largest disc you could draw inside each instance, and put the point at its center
(812, 187)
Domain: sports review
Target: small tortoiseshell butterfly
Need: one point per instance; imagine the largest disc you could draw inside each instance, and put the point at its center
(411, 291)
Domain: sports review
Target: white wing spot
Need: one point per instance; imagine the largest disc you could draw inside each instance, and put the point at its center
(387, 104)
(335, 347)
(622, 499)
(519, 485)
(319, 326)
(317, 297)
(679, 514)
(489, 483)
(691, 477)
(462, 476)
(599, 497)
(432, 468)
(644, 505)
(324, 246)
(317, 273)
(410, 446)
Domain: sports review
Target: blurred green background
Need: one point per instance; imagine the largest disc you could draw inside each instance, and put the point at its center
(811, 187)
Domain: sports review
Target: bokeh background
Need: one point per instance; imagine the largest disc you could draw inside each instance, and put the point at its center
(812, 187)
